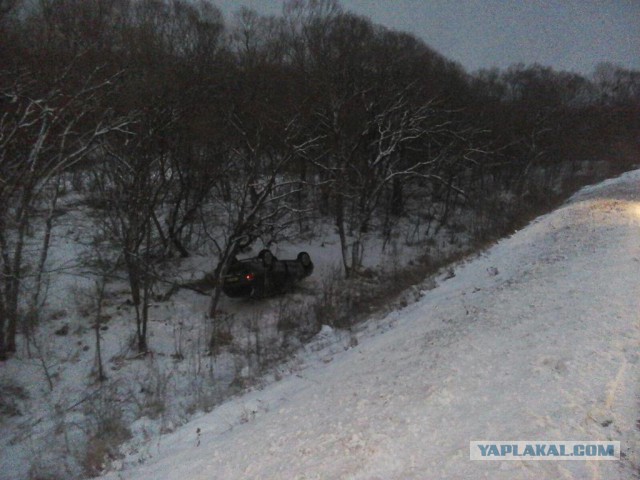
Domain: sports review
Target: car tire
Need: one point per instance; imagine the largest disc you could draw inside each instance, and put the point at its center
(304, 259)
(267, 258)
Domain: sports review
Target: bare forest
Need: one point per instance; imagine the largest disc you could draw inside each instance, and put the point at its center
(179, 137)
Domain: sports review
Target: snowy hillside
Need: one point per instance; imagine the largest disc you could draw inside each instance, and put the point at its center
(536, 339)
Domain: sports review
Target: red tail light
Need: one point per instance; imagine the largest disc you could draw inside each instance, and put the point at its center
(249, 276)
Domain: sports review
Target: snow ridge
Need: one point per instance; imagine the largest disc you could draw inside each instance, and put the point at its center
(536, 339)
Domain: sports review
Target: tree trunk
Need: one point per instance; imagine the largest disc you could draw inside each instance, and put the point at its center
(220, 272)
(100, 286)
(397, 198)
(36, 300)
(3, 347)
(135, 287)
(344, 247)
(14, 278)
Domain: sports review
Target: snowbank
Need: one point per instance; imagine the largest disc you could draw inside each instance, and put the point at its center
(536, 339)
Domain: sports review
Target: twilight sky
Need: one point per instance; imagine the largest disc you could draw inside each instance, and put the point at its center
(565, 34)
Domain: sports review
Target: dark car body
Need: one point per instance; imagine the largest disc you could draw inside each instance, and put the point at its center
(265, 275)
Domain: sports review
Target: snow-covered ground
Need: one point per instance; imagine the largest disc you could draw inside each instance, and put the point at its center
(58, 422)
(537, 339)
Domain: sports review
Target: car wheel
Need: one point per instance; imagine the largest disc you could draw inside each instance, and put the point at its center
(267, 258)
(304, 259)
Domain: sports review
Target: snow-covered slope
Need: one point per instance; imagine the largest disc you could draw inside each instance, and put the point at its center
(536, 339)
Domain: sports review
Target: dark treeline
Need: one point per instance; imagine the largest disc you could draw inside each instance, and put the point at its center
(183, 127)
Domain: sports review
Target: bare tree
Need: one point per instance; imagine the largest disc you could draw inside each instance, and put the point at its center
(259, 192)
(130, 183)
(45, 129)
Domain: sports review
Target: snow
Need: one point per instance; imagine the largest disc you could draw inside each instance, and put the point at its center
(537, 338)
(53, 412)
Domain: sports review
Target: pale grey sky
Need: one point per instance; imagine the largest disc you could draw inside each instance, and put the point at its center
(565, 34)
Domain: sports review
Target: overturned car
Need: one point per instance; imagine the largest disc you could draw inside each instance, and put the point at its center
(265, 275)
